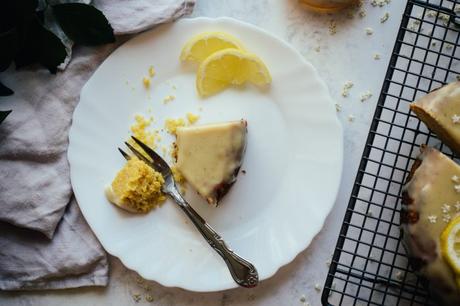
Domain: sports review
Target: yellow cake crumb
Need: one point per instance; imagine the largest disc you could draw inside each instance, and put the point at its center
(140, 131)
(152, 71)
(192, 118)
(157, 137)
(171, 125)
(146, 82)
(173, 151)
(168, 99)
(164, 151)
(178, 177)
(138, 186)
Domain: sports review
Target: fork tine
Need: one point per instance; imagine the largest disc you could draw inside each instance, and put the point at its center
(157, 159)
(125, 155)
(138, 154)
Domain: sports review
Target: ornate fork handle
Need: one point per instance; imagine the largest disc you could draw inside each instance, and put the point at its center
(242, 271)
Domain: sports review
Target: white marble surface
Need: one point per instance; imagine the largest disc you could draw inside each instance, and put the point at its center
(346, 55)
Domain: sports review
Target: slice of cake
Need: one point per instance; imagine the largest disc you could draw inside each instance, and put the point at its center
(210, 156)
(431, 199)
(136, 187)
(440, 111)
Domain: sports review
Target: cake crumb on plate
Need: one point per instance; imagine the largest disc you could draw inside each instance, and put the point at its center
(146, 82)
(168, 99)
(171, 125)
(151, 71)
(192, 118)
(346, 88)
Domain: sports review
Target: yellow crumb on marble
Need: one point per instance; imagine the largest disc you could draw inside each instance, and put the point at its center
(139, 129)
(146, 82)
(168, 99)
(192, 118)
(152, 71)
(138, 186)
(171, 125)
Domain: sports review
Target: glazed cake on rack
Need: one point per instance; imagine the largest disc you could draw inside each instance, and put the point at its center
(430, 200)
(440, 111)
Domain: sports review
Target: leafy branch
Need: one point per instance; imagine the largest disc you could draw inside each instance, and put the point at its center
(3, 115)
(25, 40)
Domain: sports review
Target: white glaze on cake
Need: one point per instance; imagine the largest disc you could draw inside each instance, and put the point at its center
(209, 156)
(429, 201)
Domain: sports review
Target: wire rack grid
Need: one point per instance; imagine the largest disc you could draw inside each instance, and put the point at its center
(369, 264)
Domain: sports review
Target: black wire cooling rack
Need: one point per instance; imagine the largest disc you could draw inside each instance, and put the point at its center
(369, 264)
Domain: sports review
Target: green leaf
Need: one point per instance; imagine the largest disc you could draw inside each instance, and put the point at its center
(40, 45)
(83, 23)
(52, 50)
(5, 91)
(8, 43)
(28, 43)
(26, 6)
(3, 115)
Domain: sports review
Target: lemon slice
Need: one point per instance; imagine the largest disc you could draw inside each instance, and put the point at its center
(230, 67)
(450, 244)
(199, 47)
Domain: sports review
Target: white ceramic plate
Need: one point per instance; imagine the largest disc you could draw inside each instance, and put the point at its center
(293, 161)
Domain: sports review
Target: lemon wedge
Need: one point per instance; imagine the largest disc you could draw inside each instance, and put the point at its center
(230, 67)
(450, 244)
(199, 47)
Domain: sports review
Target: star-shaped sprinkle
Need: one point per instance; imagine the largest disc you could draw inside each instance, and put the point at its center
(455, 119)
(446, 218)
(455, 179)
(457, 188)
(432, 219)
(445, 208)
(317, 287)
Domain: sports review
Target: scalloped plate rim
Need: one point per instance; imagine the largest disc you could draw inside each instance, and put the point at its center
(334, 190)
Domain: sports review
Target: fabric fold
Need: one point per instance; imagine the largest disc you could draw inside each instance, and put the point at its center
(45, 243)
(73, 258)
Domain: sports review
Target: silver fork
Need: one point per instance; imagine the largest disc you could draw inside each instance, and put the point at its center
(243, 272)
